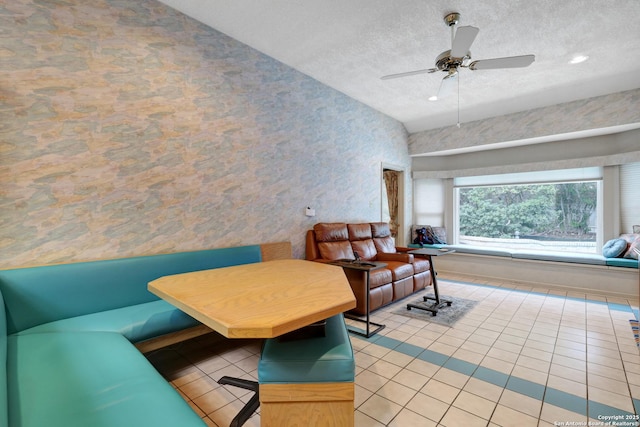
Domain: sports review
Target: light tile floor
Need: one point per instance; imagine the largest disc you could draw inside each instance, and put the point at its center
(523, 356)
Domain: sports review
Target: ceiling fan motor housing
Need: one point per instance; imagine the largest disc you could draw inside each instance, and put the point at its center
(444, 61)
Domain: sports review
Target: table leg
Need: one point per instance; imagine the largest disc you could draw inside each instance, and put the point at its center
(369, 333)
(251, 406)
(438, 303)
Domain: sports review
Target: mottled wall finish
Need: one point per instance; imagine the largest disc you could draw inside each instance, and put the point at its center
(127, 128)
(593, 113)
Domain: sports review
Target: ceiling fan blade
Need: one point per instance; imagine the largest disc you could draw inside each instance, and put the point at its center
(463, 40)
(508, 62)
(448, 84)
(409, 73)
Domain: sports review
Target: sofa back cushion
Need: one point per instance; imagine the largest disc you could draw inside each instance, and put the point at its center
(331, 232)
(361, 243)
(359, 231)
(380, 229)
(4, 398)
(365, 249)
(382, 237)
(333, 241)
(336, 250)
(385, 245)
(38, 295)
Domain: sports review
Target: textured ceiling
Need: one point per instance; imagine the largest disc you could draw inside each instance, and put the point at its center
(349, 45)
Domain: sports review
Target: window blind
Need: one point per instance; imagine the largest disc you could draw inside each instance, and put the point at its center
(536, 177)
(629, 196)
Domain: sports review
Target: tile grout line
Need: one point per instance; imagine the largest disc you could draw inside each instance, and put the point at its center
(448, 357)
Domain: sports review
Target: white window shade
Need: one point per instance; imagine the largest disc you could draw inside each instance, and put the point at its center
(563, 175)
(629, 196)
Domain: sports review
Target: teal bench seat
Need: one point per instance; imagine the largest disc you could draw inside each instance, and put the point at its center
(308, 381)
(84, 379)
(136, 322)
(311, 360)
(67, 334)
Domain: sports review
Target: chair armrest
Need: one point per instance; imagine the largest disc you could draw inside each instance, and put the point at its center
(382, 256)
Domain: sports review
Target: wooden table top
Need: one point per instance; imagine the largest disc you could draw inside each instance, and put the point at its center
(260, 300)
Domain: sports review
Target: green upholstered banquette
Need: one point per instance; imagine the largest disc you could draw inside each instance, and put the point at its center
(67, 356)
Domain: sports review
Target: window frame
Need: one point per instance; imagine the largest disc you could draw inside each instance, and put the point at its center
(592, 174)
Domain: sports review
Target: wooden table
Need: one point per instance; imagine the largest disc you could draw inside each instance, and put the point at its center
(261, 300)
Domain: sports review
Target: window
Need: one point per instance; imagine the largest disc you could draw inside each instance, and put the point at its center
(551, 210)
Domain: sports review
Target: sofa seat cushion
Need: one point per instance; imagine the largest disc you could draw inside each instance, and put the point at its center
(577, 258)
(399, 270)
(312, 360)
(137, 322)
(622, 262)
(82, 379)
(420, 265)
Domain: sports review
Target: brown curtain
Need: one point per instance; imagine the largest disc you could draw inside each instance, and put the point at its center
(391, 183)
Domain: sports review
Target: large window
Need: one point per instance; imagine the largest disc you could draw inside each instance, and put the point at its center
(553, 211)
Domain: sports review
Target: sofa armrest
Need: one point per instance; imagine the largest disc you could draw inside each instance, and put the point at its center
(383, 256)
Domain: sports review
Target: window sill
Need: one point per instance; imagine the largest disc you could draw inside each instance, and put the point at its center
(575, 258)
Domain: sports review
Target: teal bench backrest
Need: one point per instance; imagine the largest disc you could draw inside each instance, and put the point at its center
(4, 398)
(38, 295)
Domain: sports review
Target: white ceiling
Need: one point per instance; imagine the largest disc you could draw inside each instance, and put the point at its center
(349, 44)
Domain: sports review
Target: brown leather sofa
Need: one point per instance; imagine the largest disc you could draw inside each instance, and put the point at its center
(403, 275)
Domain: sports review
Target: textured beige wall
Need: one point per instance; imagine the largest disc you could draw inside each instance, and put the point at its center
(617, 109)
(127, 128)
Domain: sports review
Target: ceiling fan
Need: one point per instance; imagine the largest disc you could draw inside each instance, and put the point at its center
(459, 56)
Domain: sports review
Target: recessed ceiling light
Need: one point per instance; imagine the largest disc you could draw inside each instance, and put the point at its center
(433, 98)
(578, 59)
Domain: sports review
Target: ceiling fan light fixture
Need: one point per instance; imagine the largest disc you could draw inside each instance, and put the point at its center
(577, 59)
(433, 98)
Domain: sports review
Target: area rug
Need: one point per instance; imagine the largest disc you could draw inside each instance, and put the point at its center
(635, 328)
(447, 315)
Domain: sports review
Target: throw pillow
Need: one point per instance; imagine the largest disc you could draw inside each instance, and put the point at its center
(422, 238)
(614, 248)
(435, 234)
(633, 241)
